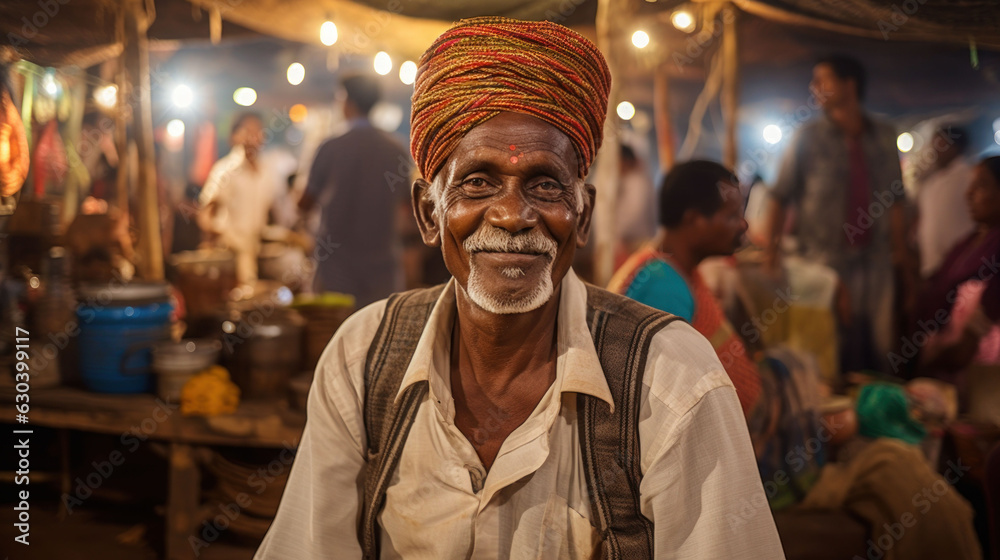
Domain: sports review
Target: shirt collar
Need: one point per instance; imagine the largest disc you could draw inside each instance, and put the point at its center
(578, 368)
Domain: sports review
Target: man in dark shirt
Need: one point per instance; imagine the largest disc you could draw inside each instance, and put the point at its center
(359, 179)
(842, 172)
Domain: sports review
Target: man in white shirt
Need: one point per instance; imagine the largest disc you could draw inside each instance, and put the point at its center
(239, 193)
(492, 438)
(943, 211)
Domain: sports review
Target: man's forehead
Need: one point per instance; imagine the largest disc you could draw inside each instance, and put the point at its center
(516, 136)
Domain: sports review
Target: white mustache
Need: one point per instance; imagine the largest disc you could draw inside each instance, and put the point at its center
(498, 240)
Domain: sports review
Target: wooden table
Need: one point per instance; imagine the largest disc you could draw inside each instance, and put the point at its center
(145, 417)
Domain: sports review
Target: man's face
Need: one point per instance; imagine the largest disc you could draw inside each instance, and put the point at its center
(511, 212)
(828, 88)
(983, 196)
(724, 230)
(250, 135)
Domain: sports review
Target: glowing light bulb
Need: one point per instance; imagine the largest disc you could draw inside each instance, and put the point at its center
(772, 134)
(328, 33)
(106, 96)
(904, 142)
(408, 72)
(175, 128)
(245, 96)
(296, 73)
(182, 96)
(625, 110)
(640, 39)
(682, 20)
(383, 63)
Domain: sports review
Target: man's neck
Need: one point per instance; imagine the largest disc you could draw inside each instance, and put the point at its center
(672, 242)
(494, 350)
(849, 118)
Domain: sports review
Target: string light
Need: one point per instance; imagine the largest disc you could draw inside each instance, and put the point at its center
(383, 63)
(682, 20)
(408, 72)
(328, 33)
(245, 96)
(640, 39)
(296, 73)
(106, 96)
(625, 110)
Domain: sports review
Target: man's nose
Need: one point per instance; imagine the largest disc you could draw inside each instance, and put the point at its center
(512, 211)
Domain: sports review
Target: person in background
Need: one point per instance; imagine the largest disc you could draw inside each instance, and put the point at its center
(360, 180)
(941, 198)
(701, 216)
(636, 217)
(960, 304)
(238, 194)
(842, 172)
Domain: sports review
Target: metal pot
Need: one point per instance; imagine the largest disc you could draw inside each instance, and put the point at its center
(263, 346)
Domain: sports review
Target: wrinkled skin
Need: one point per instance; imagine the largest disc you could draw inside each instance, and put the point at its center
(502, 364)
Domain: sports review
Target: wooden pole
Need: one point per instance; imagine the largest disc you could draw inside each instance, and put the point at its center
(136, 56)
(665, 144)
(122, 108)
(730, 83)
(607, 176)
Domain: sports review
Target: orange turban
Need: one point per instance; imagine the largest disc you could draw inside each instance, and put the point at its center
(486, 65)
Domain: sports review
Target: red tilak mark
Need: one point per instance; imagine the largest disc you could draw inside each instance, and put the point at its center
(513, 147)
(513, 159)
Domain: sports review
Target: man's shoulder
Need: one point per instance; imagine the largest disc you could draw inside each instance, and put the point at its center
(349, 345)
(682, 366)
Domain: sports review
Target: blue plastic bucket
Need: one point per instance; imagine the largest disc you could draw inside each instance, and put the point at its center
(116, 343)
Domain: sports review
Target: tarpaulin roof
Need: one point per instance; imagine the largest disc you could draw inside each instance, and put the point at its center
(82, 31)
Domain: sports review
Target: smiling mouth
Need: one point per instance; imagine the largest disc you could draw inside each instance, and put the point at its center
(505, 259)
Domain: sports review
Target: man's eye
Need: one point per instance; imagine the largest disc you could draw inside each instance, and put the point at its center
(548, 189)
(475, 182)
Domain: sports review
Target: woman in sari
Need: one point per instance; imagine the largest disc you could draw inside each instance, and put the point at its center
(957, 323)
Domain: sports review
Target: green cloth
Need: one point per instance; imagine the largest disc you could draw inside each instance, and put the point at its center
(883, 411)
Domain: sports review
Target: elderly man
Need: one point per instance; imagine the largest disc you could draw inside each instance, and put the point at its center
(517, 412)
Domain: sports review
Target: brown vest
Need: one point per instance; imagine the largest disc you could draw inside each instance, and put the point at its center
(622, 330)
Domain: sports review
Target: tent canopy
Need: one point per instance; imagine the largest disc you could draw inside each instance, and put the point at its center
(82, 32)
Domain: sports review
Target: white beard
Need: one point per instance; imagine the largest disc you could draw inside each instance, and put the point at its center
(540, 293)
(490, 238)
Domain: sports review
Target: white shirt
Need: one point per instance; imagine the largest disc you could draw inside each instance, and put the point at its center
(243, 195)
(700, 484)
(944, 213)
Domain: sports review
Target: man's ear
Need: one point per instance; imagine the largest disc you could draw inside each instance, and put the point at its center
(692, 217)
(423, 210)
(583, 224)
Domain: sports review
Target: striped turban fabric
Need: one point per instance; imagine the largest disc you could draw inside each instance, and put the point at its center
(484, 66)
